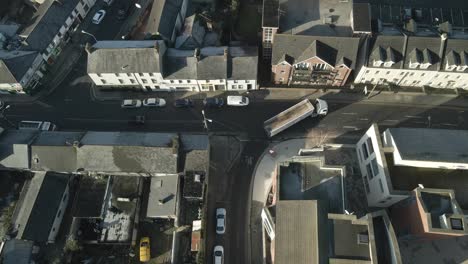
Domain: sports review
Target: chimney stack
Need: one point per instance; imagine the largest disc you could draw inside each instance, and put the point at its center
(226, 53)
(196, 54)
(443, 40)
(156, 46)
(89, 49)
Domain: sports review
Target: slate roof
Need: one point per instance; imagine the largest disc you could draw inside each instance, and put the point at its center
(40, 206)
(192, 34)
(163, 16)
(13, 69)
(165, 189)
(270, 13)
(424, 144)
(46, 23)
(329, 49)
(387, 47)
(429, 48)
(196, 160)
(299, 238)
(457, 48)
(125, 60)
(90, 197)
(240, 64)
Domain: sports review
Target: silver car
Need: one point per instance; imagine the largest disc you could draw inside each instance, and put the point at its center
(218, 255)
(220, 221)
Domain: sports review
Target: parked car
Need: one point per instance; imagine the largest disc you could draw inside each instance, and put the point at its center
(99, 16)
(122, 12)
(145, 249)
(183, 103)
(218, 255)
(154, 102)
(220, 221)
(131, 103)
(37, 125)
(213, 102)
(237, 100)
(109, 2)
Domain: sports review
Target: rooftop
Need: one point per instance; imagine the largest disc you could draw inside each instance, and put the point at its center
(299, 238)
(163, 17)
(90, 197)
(270, 15)
(345, 239)
(163, 197)
(14, 151)
(316, 17)
(194, 185)
(408, 178)
(445, 145)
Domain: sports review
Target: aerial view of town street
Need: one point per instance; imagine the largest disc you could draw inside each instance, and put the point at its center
(234, 131)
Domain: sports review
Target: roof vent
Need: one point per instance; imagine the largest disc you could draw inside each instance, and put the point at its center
(197, 178)
(363, 238)
(456, 223)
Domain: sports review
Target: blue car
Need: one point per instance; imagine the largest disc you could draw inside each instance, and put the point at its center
(213, 102)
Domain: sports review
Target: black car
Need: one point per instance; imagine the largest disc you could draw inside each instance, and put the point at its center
(183, 103)
(213, 102)
(123, 10)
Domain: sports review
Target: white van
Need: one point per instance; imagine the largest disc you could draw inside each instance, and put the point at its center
(237, 100)
(37, 125)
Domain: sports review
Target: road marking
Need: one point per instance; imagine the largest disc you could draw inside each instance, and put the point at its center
(412, 116)
(419, 122)
(349, 113)
(447, 124)
(391, 120)
(351, 127)
(364, 119)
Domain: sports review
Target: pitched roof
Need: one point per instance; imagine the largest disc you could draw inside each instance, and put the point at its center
(243, 63)
(125, 60)
(361, 17)
(180, 65)
(40, 205)
(13, 69)
(426, 49)
(329, 49)
(14, 148)
(387, 48)
(212, 67)
(192, 34)
(456, 53)
(46, 23)
(163, 16)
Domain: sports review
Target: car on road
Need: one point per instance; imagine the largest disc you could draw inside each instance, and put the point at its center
(145, 249)
(213, 102)
(218, 255)
(131, 103)
(37, 125)
(99, 16)
(220, 221)
(154, 102)
(183, 103)
(237, 100)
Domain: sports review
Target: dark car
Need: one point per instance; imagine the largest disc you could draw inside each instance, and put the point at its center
(213, 102)
(123, 10)
(183, 103)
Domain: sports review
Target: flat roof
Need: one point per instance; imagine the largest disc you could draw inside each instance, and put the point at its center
(407, 179)
(299, 239)
(428, 144)
(345, 239)
(162, 201)
(316, 17)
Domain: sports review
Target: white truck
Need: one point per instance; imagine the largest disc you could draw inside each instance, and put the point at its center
(294, 114)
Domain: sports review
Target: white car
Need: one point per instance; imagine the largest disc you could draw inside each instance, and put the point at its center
(237, 100)
(158, 102)
(131, 103)
(218, 255)
(220, 221)
(99, 16)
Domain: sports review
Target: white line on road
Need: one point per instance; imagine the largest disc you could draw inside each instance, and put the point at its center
(391, 120)
(412, 116)
(447, 124)
(364, 119)
(349, 113)
(419, 122)
(351, 127)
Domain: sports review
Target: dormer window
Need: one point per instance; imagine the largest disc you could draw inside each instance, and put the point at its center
(413, 65)
(461, 68)
(449, 67)
(424, 65)
(302, 66)
(388, 63)
(377, 63)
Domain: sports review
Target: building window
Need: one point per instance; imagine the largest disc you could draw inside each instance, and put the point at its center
(366, 185)
(375, 167)
(377, 72)
(53, 229)
(144, 80)
(234, 86)
(401, 73)
(59, 213)
(370, 146)
(422, 74)
(153, 80)
(367, 71)
(129, 75)
(103, 81)
(365, 153)
(64, 198)
(369, 171)
(188, 81)
(172, 81)
(381, 185)
(241, 86)
(132, 81)
(180, 81)
(99, 75)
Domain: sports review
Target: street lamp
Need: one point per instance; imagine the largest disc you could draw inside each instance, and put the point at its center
(205, 120)
(87, 33)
